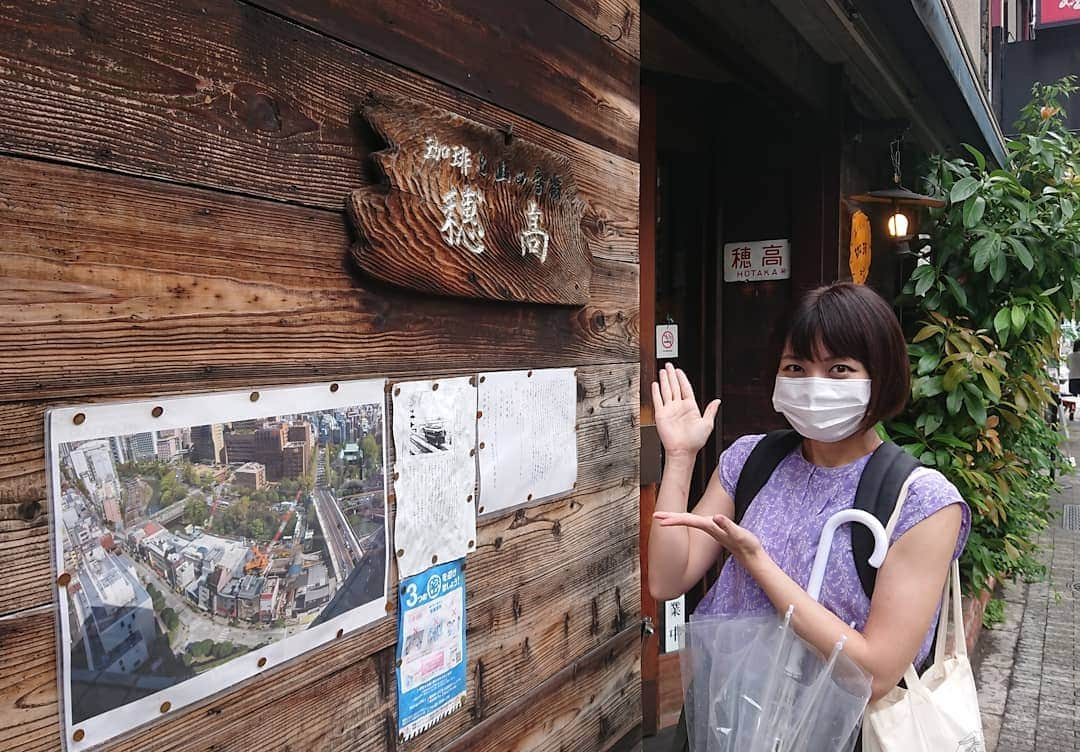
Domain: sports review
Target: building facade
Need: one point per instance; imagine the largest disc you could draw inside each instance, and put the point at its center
(295, 459)
(760, 125)
(240, 446)
(250, 475)
(212, 252)
(140, 446)
(208, 444)
(1034, 41)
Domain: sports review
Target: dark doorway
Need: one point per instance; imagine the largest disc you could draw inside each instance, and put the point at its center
(724, 161)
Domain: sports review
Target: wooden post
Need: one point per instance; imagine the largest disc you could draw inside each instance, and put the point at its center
(650, 647)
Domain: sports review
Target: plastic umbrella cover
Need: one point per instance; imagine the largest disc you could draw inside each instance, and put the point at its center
(752, 685)
(730, 645)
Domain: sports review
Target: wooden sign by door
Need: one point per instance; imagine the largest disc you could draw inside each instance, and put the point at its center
(469, 211)
(860, 249)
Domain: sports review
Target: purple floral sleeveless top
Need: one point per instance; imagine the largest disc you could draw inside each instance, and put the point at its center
(787, 517)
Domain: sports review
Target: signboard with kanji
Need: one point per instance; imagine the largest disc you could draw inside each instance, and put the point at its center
(860, 249)
(1058, 12)
(469, 211)
(674, 620)
(757, 261)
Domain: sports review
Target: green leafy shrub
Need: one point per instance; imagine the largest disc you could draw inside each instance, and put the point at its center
(994, 613)
(987, 298)
(172, 621)
(156, 598)
(224, 649)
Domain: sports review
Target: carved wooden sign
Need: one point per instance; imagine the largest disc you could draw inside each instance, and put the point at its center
(469, 211)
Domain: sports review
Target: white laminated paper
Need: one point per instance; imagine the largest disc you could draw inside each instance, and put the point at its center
(674, 620)
(435, 472)
(527, 434)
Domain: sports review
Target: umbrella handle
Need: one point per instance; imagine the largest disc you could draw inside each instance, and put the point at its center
(821, 558)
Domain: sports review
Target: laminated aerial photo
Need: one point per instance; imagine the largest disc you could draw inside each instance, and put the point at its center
(186, 548)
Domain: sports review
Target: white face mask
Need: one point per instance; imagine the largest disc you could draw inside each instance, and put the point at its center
(822, 409)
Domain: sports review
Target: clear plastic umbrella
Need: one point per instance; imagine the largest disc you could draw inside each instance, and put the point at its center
(752, 685)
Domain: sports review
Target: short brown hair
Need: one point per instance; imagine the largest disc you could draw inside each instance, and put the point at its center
(853, 321)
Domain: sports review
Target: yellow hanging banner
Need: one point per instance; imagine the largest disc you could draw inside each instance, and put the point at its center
(859, 253)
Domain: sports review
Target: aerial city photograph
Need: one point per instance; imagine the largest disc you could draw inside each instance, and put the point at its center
(189, 547)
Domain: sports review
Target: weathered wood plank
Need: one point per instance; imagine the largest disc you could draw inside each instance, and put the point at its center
(26, 561)
(118, 285)
(24, 520)
(584, 87)
(617, 21)
(524, 623)
(342, 707)
(607, 456)
(123, 287)
(607, 441)
(229, 96)
(532, 631)
(590, 705)
(29, 717)
(22, 464)
(29, 710)
(670, 690)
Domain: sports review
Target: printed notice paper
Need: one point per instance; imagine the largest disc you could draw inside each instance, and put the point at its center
(528, 443)
(430, 648)
(435, 472)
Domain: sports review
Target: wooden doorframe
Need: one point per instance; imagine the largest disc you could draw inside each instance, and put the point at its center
(650, 646)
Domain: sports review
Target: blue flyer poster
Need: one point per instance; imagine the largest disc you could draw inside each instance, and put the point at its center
(430, 647)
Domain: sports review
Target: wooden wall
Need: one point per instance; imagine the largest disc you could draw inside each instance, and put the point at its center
(172, 186)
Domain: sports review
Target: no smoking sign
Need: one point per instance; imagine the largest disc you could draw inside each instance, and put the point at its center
(667, 341)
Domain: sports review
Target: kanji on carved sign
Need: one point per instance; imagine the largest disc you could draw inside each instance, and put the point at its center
(469, 212)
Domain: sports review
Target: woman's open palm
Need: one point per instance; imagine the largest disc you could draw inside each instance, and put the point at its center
(682, 427)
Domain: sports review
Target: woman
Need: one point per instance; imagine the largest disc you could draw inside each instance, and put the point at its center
(844, 368)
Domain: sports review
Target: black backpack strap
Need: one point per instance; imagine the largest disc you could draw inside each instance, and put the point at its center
(763, 459)
(879, 486)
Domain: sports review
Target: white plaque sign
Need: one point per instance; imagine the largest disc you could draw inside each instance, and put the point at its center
(674, 619)
(757, 261)
(667, 341)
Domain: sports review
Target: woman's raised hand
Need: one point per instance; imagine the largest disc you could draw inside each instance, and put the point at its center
(682, 427)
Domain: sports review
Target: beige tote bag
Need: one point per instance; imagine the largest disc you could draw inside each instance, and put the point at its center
(938, 712)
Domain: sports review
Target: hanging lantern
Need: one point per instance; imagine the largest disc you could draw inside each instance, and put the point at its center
(898, 225)
(903, 204)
